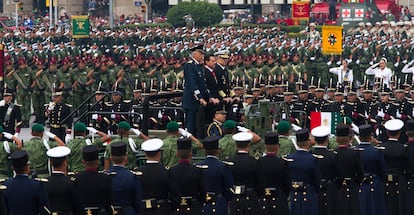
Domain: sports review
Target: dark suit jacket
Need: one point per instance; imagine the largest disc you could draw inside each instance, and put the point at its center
(60, 193)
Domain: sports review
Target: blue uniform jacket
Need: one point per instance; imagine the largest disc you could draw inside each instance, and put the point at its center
(195, 87)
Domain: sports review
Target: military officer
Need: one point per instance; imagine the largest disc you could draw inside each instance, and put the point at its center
(93, 190)
(354, 108)
(404, 109)
(57, 111)
(189, 179)
(11, 119)
(23, 189)
(118, 105)
(372, 190)
(59, 187)
(125, 184)
(326, 160)
(410, 167)
(276, 178)
(98, 120)
(36, 147)
(247, 177)
(158, 187)
(11, 144)
(395, 163)
(216, 127)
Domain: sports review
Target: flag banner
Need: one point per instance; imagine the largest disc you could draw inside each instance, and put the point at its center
(332, 40)
(300, 10)
(80, 26)
(328, 119)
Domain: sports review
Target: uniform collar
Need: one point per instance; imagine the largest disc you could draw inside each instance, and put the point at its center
(320, 147)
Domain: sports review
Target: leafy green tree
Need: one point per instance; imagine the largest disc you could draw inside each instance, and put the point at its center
(203, 13)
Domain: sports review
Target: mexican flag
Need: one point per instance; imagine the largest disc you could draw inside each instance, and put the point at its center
(328, 119)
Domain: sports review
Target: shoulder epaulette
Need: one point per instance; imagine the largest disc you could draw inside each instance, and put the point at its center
(70, 173)
(137, 173)
(287, 159)
(69, 105)
(396, 104)
(108, 104)
(110, 173)
(333, 151)
(44, 180)
(228, 163)
(2, 180)
(318, 156)
(190, 61)
(127, 101)
(358, 149)
(72, 178)
(3, 187)
(202, 166)
(19, 105)
(405, 145)
(380, 147)
(167, 167)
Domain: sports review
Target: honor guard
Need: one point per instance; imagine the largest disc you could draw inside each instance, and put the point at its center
(21, 188)
(158, 187)
(305, 175)
(93, 190)
(409, 188)
(385, 111)
(303, 106)
(190, 180)
(276, 178)
(24, 77)
(395, 163)
(349, 172)
(59, 187)
(118, 105)
(125, 183)
(354, 108)
(319, 103)
(8, 146)
(100, 121)
(11, 119)
(326, 159)
(372, 187)
(57, 111)
(404, 109)
(218, 179)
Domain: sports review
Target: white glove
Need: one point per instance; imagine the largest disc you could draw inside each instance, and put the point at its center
(2, 103)
(404, 61)
(338, 63)
(94, 116)
(50, 134)
(92, 130)
(355, 128)
(371, 63)
(398, 115)
(357, 61)
(136, 131)
(242, 129)
(7, 135)
(329, 63)
(381, 114)
(184, 132)
(396, 64)
(312, 58)
(296, 127)
(16, 134)
(68, 137)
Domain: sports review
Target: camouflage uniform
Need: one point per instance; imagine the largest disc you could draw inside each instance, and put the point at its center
(131, 155)
(227, 146)
(76, 145)
(5, 164)
(169, 148)
(286, 146)
(38, 158)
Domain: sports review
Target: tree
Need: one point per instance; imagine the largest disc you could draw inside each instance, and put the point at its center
(203, 13)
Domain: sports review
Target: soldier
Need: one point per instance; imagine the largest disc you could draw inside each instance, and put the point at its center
(217, 178)
(354, 108)
(302, 107)
(216, 127)
(226, 144)
(409, 201)
(385, 111)
(22, 188)
(125, 184)
(305, 175)
(404, 109)
(79, 141)
(36, 147)
(286, 145)
(372, 190)
(100, 121)
(118, 105)
(93, 190)
(80, 85)
(328, 191)
(286, 108)
(345, 75)
(190, 180)
(12, 117)
(6, 148)
(224, 84)
(319, 103)
(59, 187)
(276, 178)
(57, 111)
(158, 186)
(380, 71)
(395, 165)
(39, 86)
(247, 177)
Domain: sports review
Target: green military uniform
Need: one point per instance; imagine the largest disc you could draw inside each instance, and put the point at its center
(286, 146)
(37, 148)
(76, 145)
(5, 168)
(227, 146)
(23, 77)
(169, 149)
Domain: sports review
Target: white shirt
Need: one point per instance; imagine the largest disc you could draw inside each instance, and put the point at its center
(384, 74)
(342, 74)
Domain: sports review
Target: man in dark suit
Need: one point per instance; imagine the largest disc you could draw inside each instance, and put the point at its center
(217, 178)
(248, 178)
(196, 92)
(125, 183)
(190, 180)
(158, 187)
(305, 174)
(24, 195)
(326, 159)
(93, 190)
(212, 86)
(59, 187)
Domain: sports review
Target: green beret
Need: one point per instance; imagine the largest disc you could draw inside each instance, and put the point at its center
(38, 128)
(283, 127)
(229, 124)
(80, 127)
(1, 129)
(172, 126)
(124, 125)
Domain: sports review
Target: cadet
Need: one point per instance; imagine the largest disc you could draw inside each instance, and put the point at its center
(125, 184)
(409, 192)
(93, 190)
(6, 148)
(158, 187)
(305, 175)
(286, 145)
(24, 195)
(189, 178)
(11, 119)
(395, 163)
(59, 187)
(349, 172)
(37, 147)
(248, 177)
(372, 187)
(57, 111)
(98, 120)
(217, 178)
(328, 192)
(79, 141)
(118, 105)
(276, 178)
